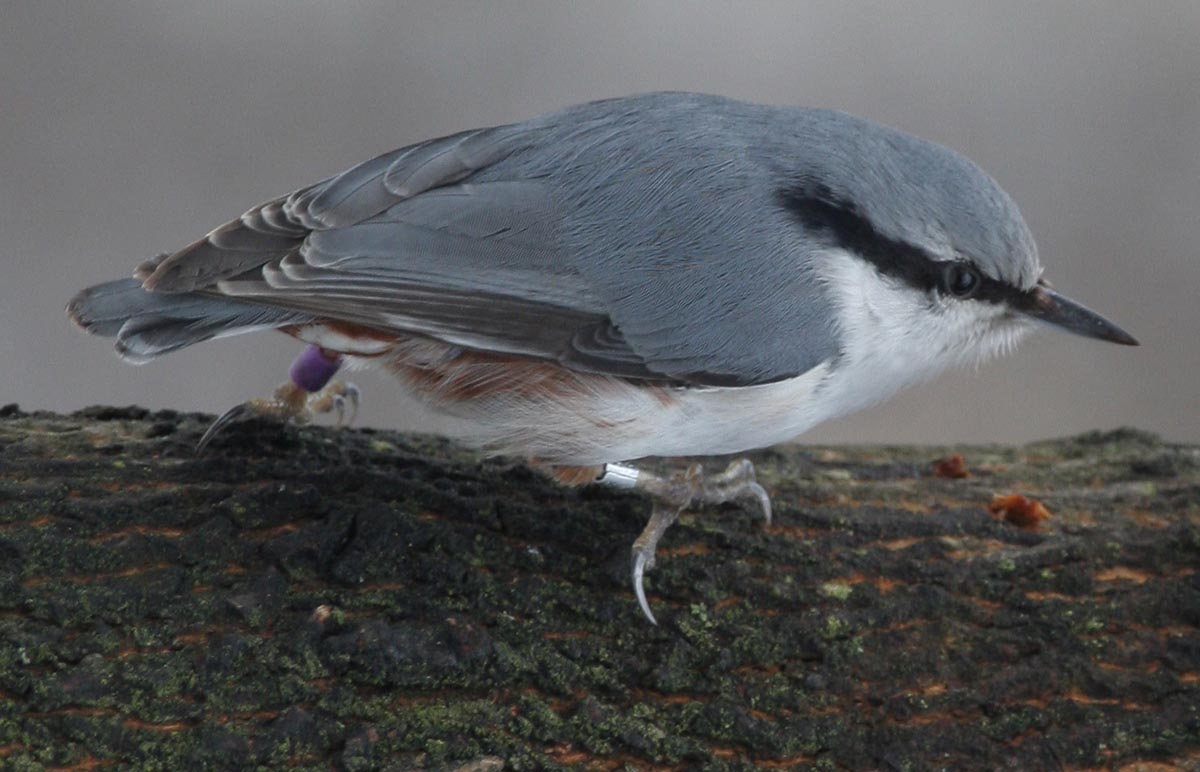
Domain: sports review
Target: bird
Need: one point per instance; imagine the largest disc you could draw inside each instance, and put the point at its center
(659, 275)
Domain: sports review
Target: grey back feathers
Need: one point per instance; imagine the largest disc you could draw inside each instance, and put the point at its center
(647, 237)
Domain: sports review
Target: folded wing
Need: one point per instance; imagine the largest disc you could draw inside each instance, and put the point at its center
(639, 238)
(398, 244)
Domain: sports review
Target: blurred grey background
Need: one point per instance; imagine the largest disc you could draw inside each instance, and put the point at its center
(131, 128)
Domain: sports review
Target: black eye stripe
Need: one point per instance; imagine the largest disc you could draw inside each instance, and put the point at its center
(993, 291)
(820, 211)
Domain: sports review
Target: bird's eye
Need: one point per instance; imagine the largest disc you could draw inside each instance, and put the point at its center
(960, 280)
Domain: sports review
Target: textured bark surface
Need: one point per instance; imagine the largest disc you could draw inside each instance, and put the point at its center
(306, 598)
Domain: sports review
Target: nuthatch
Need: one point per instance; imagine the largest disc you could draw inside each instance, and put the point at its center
(660, 275)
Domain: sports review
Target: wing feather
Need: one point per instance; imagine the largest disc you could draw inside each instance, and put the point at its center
(639, 237)
(273, 229)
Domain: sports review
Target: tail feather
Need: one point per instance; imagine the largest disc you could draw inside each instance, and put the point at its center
(148, 324)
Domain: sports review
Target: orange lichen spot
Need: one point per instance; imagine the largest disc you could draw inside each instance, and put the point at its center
(192, 639)
(926, 690)
(265, 534)
(880, 583)
(895, 545)
(147, 726)
(791, 762)
(137, 530)
(915, 507)
(952, 468)
(1021, 511)
(88, 762)
(1122, 574)
(1153, 766)
(684, 549)
(794, 532)
(1058, 596)
(726, 602)
(983, 603)
(884, 585)
(564, 635)
(566, 753)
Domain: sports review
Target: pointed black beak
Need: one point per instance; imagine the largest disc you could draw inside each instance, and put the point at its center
(1047, 306)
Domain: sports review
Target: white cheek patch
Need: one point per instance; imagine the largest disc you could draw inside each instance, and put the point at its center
(893, 336)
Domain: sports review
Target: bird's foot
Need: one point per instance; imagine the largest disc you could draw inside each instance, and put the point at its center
(674, 494)
(333, 399)
(309, 393)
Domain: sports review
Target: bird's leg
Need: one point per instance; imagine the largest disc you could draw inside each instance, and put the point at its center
(672, 495)
(309, 392)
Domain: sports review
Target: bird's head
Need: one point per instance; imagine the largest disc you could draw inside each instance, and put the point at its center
(940, 259)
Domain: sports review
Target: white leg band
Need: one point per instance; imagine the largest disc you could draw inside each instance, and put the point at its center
(618, 476)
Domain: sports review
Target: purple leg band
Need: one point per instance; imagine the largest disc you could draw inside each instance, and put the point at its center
(313, 369)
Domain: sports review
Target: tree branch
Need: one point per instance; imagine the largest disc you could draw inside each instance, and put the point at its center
(308, 598)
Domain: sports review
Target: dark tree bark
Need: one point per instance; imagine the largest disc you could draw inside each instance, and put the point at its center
(308, 598)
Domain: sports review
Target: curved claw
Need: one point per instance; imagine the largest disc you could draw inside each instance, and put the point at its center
(742, 471)
(759, 494)
(737, 482)
(639, 572)
(229, 416)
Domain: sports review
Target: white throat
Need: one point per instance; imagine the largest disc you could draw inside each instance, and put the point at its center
(893, 336)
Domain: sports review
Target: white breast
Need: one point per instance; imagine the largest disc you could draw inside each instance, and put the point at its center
(893, 336)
